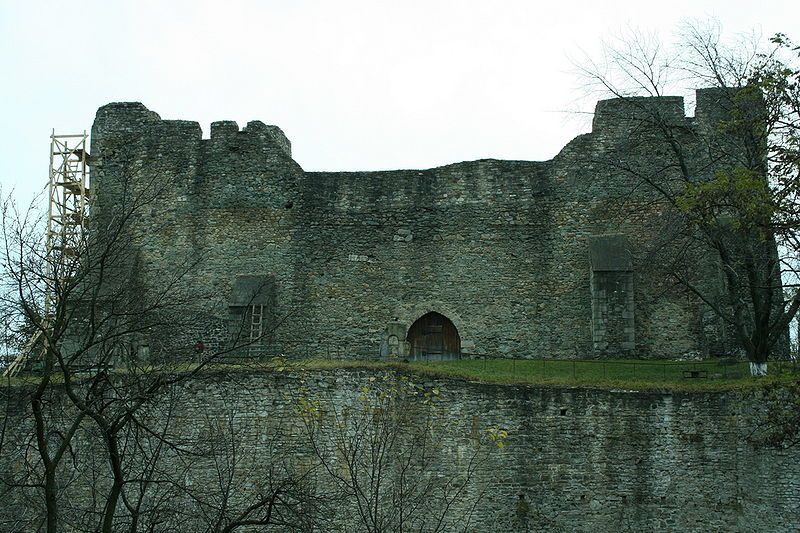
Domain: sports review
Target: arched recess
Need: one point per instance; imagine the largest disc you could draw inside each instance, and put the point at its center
(433, 336)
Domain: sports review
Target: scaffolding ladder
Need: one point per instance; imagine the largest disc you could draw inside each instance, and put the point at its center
(68, 208)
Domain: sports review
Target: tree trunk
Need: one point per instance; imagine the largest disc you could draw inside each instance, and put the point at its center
(50, 489)
(758, 369)
(758, 354)
(119, 479)
(51, 505)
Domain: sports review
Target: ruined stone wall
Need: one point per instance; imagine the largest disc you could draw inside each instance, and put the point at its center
(584, 460)
(498, 247)
(581, 459)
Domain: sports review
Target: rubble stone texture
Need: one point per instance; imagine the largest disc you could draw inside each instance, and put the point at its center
(584, 460)
(350, 259)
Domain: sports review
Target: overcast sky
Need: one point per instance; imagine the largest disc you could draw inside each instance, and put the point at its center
(356, 85)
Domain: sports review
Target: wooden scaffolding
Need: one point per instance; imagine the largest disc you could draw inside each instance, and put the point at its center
(68, 207)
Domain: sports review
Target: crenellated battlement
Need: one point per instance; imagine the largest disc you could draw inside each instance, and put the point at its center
(240, 159)
(224, 130)
(121, 122)
(252, 166)
(617, 115)
(226, 133)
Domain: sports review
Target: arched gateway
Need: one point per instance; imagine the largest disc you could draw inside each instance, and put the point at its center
(433, 336)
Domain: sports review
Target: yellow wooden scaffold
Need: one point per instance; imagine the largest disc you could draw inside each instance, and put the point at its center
(68, 198)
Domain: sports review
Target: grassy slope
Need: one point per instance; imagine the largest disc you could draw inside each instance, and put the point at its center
(607, 374)
(610, 374)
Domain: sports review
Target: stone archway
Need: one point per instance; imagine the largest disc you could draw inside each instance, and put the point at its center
(433, 336)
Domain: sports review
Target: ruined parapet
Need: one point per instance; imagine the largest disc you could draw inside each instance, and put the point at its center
(251, 167)
(722, 105)
(226, 133)
(120, 121)
(127, 132)
(272, 135)
(141, 162)
(714, 106)
(136, 149)
(732, 121)
(620, 115)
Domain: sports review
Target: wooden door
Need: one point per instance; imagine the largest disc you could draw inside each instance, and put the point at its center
(433, 336)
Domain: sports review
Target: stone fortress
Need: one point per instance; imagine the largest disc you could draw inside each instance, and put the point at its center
(565, 258)
(484, 258)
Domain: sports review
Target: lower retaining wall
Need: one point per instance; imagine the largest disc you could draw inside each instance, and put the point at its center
(539, 459)
(582, 460)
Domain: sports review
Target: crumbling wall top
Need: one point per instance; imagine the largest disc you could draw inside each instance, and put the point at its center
(124, 121)
(623, 113)
(123, 117)
(227, 132)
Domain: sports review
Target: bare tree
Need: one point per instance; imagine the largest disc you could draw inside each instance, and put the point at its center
(237, 487)
(85, 420)
(733, 199)
(776, 421)
(380, 446)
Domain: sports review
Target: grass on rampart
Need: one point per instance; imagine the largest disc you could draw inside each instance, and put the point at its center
(631, 374)
(626, 374)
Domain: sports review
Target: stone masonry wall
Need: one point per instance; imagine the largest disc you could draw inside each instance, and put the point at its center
(582, 460)
(498, 247)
